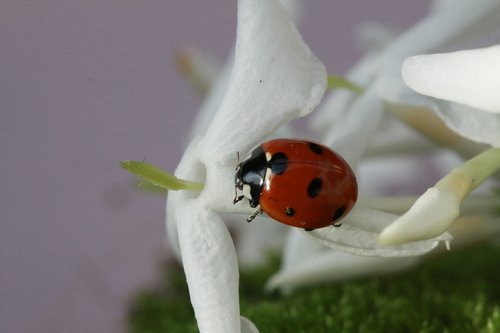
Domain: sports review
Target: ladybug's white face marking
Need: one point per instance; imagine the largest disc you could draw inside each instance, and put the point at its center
(268, 156)
(245, 191)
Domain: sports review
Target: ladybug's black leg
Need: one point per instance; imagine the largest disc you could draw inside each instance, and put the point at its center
(254, 215)
(309, 229)
(237, 198)
(337, 224)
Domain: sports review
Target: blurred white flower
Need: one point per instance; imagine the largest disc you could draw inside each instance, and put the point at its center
(349, 126)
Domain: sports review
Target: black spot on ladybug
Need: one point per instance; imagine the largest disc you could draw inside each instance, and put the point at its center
(315, 148)
(338, 213)
(278, 163)
(314, 187)
(289, 211)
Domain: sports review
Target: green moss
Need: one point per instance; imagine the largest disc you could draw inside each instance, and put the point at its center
(458, 292)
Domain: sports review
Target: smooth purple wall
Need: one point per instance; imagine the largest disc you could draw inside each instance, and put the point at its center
(83, 85)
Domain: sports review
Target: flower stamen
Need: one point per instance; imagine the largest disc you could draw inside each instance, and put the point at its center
(158, 177)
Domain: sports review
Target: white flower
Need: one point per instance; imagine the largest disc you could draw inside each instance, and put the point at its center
(470, 77)
(349, 121)
(467, 81)
(274, 79)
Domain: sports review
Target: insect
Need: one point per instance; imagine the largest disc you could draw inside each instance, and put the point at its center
(296, 182)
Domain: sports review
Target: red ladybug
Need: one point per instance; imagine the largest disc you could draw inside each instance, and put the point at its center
(296, 182)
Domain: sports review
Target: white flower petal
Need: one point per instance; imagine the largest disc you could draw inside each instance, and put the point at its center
(359, 234)
(350, 136)
(211, 267)
(460, 23)
(247, 326)
(441, 5)
(218, 193)
(470, 77)
(476, 125)
(331, 266)
(275, 78)
(256, 239)
(371, 36)
(295, 8)
(189, 168)
(430, 216)
(298, 248)
(337, 103)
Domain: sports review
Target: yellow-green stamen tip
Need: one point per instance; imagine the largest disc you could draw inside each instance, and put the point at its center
(158, 177)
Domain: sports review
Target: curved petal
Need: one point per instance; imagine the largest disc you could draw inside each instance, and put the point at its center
(359, 235)
(211, 267)
(333, 266)
(476, 125)
(431, 215)
(247, 326)
(470, 77)
(275, 78)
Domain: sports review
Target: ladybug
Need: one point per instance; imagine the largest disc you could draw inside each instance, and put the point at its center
(296, 182)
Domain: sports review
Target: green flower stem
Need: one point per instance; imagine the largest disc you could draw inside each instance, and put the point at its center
(471, 174)
(338, 82)
(160, 178)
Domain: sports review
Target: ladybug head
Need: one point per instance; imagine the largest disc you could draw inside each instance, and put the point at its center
(249, 177)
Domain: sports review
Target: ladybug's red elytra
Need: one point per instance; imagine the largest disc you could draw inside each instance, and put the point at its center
(298, 183)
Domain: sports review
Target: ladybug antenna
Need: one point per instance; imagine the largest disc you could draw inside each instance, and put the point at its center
(236, 197)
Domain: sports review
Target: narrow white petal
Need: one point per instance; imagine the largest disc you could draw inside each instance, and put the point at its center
(459, 23)
(211, 268)
(337, 103)
(351, 134)
(359, 234)
(372, 36)
(430, 216)
(275, 78)
(470, 77)
(331, 266)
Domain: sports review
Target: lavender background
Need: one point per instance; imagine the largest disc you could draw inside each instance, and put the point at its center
(83, 85)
